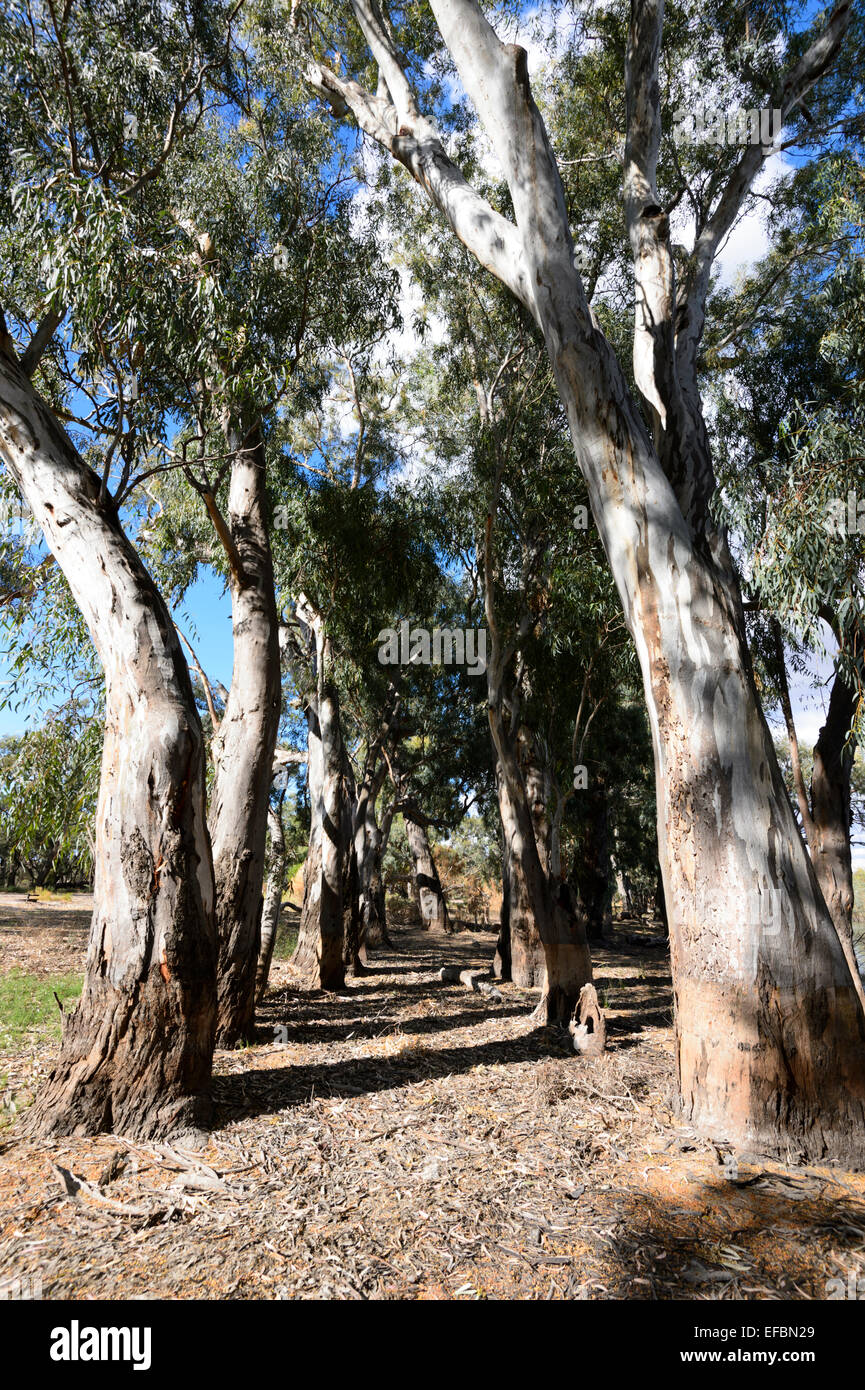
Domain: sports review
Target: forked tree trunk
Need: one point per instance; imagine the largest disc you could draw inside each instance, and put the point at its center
(272, 907)
(137, 1050)
(827, 813)
(427, 884)
(319, 951)
(244, 744)
(770, 1031)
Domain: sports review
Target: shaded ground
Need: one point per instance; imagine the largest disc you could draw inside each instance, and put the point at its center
(413, 1140)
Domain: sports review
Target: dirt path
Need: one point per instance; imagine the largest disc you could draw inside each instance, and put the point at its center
(46, 937)
(409, 1139)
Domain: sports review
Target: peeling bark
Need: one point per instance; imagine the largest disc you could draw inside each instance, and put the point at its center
(770, 1030)
(244, 745)
(319, 951)
(137, 1049)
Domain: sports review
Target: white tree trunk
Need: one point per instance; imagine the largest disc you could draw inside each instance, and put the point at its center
(137, 1049)
(319, 951)
(770, 1032)
(270, 912)
(244, 744)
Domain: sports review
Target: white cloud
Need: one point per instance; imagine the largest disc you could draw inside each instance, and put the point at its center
(748, 242)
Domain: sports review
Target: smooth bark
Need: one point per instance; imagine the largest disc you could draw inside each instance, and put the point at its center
(272, 906)
(137, 1049)
(243, 746)
(769, 1028)
(319, 951)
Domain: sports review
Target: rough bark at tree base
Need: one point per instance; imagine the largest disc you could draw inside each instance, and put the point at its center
(120, 1047)
(776, 1093)
(136, 1051)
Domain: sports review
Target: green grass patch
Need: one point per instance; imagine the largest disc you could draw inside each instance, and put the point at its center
(28, 1009)
(286, 935)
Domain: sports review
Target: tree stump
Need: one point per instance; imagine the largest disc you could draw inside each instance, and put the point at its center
(588, 1028)
(478, 981)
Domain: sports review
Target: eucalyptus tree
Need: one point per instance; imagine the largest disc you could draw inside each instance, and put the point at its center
(519, 522)
(791, 409)
(269, 231)
(751, 937)
(349, 547)
(48, 782)
(437, 755)
(97, 100)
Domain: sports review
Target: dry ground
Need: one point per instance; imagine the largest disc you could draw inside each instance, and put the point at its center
(406, 1139)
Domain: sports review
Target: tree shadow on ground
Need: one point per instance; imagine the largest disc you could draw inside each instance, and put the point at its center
(256, 1091)
(727, 1240)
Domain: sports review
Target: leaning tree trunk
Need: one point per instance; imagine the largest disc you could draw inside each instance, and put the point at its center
(137, 1050)
(319, 951)
(427, 884)
(770, 1029)
(272, 900)
(244, 744)
(770, 1032)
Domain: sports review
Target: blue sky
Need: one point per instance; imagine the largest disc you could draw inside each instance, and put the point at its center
(204, 618)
